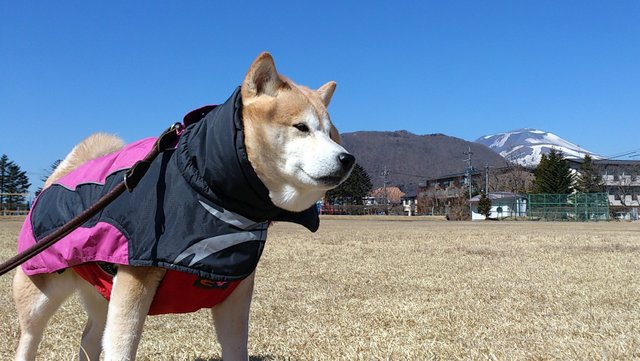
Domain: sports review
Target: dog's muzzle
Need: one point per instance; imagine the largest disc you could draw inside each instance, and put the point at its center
(346, 161)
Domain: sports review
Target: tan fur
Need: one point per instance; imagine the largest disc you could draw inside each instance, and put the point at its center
(38, 297)
(272, 105)
(326, 92)
(335, 135)
(92, 147)
(280, 105)
(131, 297)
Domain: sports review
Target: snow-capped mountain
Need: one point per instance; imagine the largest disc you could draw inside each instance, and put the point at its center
(526, 146)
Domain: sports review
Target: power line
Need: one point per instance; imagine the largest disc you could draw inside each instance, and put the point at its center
(628, 153)
(439, 176)
(408, 174)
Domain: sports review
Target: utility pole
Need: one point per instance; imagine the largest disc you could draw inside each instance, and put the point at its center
(486, 179)
(469, 169)
(468, 172)
(385, 174)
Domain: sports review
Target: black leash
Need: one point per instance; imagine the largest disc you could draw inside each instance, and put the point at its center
(131, 179)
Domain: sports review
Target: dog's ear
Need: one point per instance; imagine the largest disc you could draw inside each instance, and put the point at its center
(262, 78)
(326, 92)
(335, 135)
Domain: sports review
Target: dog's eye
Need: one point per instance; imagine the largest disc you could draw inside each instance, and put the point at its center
(301, 127)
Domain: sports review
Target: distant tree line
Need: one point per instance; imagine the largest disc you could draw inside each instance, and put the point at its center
(553, 175)
(14, 185)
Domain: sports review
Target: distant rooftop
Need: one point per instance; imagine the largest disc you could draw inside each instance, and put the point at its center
(498, 195)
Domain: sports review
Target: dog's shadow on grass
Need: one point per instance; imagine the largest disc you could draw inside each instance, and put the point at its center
(251, 358)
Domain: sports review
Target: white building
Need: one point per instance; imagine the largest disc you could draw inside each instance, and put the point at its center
(503, 205)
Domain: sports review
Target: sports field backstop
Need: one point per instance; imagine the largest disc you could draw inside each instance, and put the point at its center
(569, 207)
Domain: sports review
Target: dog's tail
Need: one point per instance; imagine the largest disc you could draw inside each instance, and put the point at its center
(94, 146)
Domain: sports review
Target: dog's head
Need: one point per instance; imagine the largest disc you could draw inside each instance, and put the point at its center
(290, 141)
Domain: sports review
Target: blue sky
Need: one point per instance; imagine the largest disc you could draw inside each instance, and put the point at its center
(462, 68)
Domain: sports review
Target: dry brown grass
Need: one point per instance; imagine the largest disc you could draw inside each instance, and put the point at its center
(364, 289)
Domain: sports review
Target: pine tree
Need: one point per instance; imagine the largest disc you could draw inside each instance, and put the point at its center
(5, 163)
(357, 186)
(553, 174)
(588, 179)
(539, 185)
(18, 185)
(484, 205)
(44, 178)
(14, 183)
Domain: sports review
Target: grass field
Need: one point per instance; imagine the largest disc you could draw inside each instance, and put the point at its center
(367, 289)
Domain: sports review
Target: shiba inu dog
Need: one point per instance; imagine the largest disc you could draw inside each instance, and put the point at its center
(192, 232)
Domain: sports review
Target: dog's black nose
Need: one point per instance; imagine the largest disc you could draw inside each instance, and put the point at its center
(347, 160)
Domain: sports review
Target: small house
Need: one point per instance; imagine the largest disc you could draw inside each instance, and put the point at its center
(409, 202)
(503, 205)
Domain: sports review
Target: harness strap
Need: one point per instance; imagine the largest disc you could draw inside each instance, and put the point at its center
(131, 179)
(166, 140)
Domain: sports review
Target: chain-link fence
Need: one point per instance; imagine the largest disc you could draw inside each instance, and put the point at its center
(569, 207)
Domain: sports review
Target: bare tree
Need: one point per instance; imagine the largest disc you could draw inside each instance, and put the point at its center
(514, 178)
(432, 201)
(437, 199)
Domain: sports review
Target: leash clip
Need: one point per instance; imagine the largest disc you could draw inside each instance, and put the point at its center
(169, 137)
(177, 127)
(166, 140)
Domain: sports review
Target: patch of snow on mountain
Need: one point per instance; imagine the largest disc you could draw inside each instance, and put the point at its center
(568, 145)
(526, 146)
(533, 158)
(535, 141)
(500, 141)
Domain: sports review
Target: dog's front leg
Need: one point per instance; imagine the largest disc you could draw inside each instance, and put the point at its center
(131, 297)
(231, 319)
